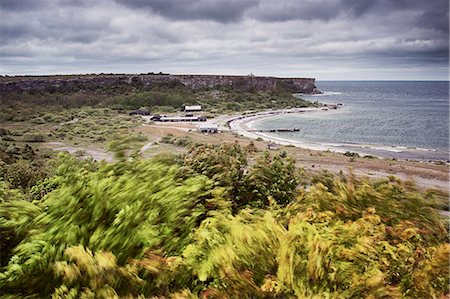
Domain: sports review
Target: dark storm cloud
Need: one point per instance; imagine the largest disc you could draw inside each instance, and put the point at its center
(13, 31)
(432, 14)
(24, 5)
(288, 37)
(271, 11)
(50, 22)
(223, 11)
(437, 18)
(359, 7)
(20, 5)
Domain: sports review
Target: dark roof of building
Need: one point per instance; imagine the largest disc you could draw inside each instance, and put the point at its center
(140, 112)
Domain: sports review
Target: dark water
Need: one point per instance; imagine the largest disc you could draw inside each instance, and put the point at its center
(406, 115)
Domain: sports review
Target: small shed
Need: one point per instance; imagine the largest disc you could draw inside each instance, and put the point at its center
(208, 128)
(195, 108)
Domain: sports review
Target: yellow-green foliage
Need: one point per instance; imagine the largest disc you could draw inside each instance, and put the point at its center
(316, 256)
(171, 228)
(93, 124)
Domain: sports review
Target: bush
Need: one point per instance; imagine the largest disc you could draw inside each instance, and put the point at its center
(251, 148)
(4, 132)
(269, 178)
(159, 228)
(30, 137)
(183, 141)
(169, 138)
(38, 120)
(351, 154)
(23, 174)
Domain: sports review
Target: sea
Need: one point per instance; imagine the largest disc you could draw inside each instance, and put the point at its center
(393, 119)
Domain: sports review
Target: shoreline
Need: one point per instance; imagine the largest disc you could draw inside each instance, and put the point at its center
(242, 125)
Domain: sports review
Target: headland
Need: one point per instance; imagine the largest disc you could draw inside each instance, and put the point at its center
(150, 80)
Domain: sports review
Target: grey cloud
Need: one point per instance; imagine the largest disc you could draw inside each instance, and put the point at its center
(437, 18)
(271, 37)
(358, 7)
(51, 24)
(13, 31)
(433, 14)
(271, 11)
(223, 11)
(21, 5)
(27, 5)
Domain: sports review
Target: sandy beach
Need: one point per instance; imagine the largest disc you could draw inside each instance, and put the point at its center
(243, 125)
(311, 157)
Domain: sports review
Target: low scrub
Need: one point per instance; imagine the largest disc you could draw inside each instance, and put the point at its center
(207, 224)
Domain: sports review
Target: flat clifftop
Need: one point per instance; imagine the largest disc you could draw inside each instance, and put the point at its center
(147, 81)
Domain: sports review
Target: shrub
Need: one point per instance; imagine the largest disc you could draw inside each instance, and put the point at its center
(251, 148)
(351, 154)
(270, 177)
(23, 174)
(4, 132)
(169, 138)
(38, 120)
(33, 137)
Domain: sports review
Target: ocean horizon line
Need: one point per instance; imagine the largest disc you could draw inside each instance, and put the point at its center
(318, 80)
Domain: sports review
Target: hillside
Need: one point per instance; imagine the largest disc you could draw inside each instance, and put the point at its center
(148, 81)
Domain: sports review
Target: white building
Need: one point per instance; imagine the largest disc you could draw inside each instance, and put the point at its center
(196, 108)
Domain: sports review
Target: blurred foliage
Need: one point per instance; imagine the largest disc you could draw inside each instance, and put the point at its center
(270, 178)
(214, 224)
(126, 145)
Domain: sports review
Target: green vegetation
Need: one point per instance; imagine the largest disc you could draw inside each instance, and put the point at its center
(210, 224)
(231, 100)
(22, 166)
(178, 141)
(93, 125)
(85, 126)
(40, 107)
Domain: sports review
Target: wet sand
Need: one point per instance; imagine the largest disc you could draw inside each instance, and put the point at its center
(243, 125)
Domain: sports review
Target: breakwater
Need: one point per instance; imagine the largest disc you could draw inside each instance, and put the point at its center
(275, 130)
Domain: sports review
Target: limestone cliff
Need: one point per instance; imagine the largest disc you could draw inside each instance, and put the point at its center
(146, 81)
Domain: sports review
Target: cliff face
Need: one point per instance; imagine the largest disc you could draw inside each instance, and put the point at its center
(295, 85)
(242, 83)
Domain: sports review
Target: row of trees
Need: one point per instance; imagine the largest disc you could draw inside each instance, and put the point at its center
(214, 224)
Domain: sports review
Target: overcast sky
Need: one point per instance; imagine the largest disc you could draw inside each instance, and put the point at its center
(324, 39)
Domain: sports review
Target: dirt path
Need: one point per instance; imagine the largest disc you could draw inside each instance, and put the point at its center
(82, 152)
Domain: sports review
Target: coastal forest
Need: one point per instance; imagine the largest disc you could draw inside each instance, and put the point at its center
(213, 221)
